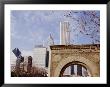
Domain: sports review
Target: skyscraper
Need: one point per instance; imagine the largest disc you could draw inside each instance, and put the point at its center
(64, 33)
(50, 40)
(39, 56)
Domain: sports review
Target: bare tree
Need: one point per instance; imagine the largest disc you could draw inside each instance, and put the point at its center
(88, 23)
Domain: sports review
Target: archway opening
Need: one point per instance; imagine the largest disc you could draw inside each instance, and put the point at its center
(75, 69)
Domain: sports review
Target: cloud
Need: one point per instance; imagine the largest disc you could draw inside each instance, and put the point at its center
(32, 27)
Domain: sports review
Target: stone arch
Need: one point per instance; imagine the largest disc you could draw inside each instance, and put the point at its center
(90, 65)
(72, 63)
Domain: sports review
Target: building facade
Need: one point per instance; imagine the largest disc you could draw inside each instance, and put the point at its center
(39, 56)
(63, 56)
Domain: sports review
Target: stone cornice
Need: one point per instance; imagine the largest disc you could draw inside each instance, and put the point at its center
(78, 47)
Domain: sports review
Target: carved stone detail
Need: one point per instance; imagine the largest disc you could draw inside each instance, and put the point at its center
(88, 54)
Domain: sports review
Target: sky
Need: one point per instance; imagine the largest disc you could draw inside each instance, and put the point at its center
(33, 27)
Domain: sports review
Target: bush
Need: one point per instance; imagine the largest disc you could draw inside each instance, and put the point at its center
(35, 72)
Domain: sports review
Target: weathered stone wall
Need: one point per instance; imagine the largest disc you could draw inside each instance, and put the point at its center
(86, 55)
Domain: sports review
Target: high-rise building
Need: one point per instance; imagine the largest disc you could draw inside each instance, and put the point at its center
(67, 71)
(64, 33)
(50, 40)
(79, 70)
(39, 56)
(29, 66)
(12, 59)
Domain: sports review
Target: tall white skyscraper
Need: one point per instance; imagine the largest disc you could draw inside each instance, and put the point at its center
(64, 33)
(39, 57)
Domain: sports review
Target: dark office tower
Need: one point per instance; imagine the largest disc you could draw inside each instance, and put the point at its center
(72, 69)
(47, 59)
(29, 66)
(79, 70)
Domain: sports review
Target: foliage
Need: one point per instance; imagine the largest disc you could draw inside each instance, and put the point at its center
(86, 23)
(35, 72)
